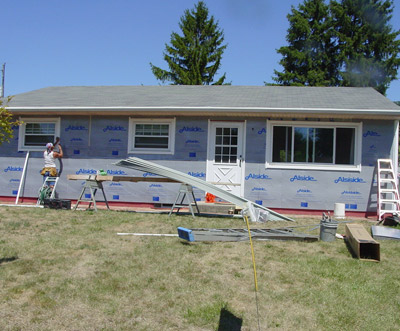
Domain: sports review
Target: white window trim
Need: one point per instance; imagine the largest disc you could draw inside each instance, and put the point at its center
(171, 136)
(307, 166)
(21, 134)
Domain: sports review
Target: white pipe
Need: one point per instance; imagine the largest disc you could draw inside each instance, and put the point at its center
(148, 234)
(22, 181)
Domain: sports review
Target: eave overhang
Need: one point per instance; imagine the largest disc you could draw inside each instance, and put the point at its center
(261, 112)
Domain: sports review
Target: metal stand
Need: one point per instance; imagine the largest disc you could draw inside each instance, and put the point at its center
(92, 185)
(185, 190)
(46, 184)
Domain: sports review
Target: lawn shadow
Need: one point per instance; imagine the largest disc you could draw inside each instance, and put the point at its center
(351, 251)
(8, 259)
(228, 321)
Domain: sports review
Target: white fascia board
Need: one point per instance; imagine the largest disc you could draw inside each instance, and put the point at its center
(333, 111)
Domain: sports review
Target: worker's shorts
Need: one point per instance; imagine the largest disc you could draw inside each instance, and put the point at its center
(52, 172)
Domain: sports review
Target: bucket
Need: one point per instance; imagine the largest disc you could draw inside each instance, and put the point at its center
(339, 210)
(327, 230)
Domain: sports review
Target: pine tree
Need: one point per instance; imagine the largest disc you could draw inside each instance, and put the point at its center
(368, 46)
(311, 57)
(195, 57)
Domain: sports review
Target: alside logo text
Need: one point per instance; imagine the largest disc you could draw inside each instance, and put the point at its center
(302, 190)
(371, 133)
(114, 128)
(75, 128)
(192, 141)
(155, 185)
(263, 130)
(191, 129)
(113, 140)
(197, 174)
(149, 174)
(303, 178)
(349, 180)
(11, 168)
(76, 139)
(257, 176)
(94, 172)
(258, 189)
(350, 193)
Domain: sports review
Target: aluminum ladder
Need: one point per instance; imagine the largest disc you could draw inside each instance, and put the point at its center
(185, 191)
(46, 184)
(288, 233)
(388, 194)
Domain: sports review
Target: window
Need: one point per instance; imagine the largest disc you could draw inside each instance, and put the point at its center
(35, 133)
(313, 145)
(150, 136)
(226, 145)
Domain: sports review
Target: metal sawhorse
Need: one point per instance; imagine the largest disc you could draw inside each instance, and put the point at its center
(92, 185)
(185, 191)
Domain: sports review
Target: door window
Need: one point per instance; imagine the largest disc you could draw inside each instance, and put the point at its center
(226, 145)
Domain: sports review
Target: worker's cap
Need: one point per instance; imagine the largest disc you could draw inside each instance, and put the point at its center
(49, 145)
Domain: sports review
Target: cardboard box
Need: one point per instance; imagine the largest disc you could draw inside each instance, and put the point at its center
(361, 242)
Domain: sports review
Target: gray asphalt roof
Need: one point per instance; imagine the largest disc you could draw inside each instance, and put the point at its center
(286, 97)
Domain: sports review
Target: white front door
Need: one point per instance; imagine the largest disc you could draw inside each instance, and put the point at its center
(225, 161)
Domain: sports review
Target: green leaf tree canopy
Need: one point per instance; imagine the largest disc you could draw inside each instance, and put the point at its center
(7, 122)
(195, 57)
(345, 43)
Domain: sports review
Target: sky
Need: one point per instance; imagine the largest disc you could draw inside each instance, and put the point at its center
(112, 42)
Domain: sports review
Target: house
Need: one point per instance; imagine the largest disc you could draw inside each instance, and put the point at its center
(287, 148)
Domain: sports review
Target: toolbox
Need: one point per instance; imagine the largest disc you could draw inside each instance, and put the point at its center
(57, 204)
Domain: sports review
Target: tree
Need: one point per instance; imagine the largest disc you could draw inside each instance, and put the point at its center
(195, 57)
(368, 47)
(6, 122)
(345, 43)
(311, 57)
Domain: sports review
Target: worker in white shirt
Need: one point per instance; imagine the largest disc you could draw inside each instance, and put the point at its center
(50, 157)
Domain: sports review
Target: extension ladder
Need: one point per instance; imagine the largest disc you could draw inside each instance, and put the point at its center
(185, 191)
(288, 233)
(46, 191)
(388, 195)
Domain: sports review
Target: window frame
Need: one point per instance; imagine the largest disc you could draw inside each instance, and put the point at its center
(314, 166)
(171, 135)
(22, 127)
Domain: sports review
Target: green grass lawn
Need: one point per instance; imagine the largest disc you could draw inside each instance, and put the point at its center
(69, 270)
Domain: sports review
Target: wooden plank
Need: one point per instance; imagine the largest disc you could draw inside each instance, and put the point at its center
(111, 178)
(143, 179)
